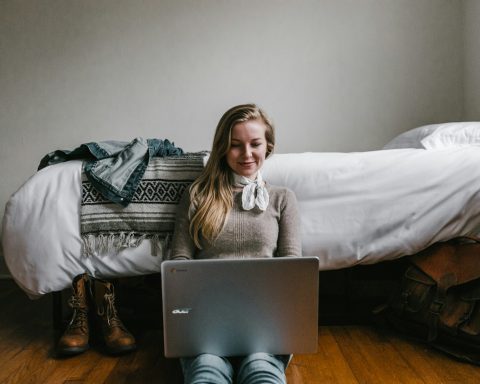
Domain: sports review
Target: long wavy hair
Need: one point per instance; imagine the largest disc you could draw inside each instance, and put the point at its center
(211, 194)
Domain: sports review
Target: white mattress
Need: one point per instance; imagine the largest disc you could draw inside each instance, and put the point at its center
(355, 208)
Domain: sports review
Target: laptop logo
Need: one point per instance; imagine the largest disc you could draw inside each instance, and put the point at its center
(181, 311)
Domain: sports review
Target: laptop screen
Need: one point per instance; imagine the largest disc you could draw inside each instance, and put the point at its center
(234, 307)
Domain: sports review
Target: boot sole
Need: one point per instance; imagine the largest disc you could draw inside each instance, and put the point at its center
(121, 350)
(72, 351)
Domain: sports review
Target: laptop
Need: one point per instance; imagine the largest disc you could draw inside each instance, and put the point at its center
(235, 307)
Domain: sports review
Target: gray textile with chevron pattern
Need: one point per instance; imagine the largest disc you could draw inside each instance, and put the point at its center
(107, 227)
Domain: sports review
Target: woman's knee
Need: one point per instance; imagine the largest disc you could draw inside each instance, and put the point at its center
(262, 368)
(207, 368)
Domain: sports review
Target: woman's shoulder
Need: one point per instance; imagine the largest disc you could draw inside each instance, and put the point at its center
(281, 198)
(280, 191)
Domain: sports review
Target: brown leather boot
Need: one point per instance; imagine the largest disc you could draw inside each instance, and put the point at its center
(75, 338)
(117, 338)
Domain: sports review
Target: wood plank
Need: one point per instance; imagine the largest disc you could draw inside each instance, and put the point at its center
(25, 362)
(373, 359)
(433, 366)
(328, 365)
(100, 372)
(22, 336)
(31, 365)
(148, 363)
(346, 354)
(73, 368)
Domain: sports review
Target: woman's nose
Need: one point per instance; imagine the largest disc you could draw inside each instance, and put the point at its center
(247, 151)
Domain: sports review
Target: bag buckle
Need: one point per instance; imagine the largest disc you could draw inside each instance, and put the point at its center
(436, 306)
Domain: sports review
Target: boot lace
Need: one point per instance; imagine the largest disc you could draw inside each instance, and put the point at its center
(110, 311)
(79, 318)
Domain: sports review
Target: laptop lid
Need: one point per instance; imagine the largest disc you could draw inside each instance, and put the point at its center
(241, 306)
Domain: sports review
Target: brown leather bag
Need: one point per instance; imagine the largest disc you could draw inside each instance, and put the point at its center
(439, 299)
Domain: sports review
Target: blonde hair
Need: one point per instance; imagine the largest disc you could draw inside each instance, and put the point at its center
(211, 194)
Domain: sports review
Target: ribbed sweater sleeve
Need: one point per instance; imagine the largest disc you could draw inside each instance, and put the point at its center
(289, 238)
(183, 246)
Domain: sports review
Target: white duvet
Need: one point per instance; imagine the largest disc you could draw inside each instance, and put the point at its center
(355, 208)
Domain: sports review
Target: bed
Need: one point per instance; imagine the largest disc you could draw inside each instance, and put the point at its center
(355, 208)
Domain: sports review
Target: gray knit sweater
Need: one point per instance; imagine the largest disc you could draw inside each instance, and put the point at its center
(254, 233)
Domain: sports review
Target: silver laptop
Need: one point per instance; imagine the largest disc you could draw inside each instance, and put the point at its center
(237, 307)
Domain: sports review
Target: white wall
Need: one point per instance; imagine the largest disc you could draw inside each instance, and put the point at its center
(472, 60)
(335, 75)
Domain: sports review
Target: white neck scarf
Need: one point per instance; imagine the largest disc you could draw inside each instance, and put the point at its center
(254, 191)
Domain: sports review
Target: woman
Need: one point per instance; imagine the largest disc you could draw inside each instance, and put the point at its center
(230, 212)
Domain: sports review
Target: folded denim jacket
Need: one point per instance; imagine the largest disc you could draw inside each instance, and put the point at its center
(115, 168)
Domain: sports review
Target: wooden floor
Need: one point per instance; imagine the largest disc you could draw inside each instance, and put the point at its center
(346, 354)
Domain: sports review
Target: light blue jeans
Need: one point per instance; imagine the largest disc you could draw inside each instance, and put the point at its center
(257, 368)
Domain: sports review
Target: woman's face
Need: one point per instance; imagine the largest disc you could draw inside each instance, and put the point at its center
(248, 148)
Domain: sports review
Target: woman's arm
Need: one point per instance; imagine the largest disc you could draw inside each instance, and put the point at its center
(183, 246)
(289, 238)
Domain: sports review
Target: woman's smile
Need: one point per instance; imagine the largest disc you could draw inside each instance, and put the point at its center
(248, 148)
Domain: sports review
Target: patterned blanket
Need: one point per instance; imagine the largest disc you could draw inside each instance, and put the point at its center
(107, 227)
